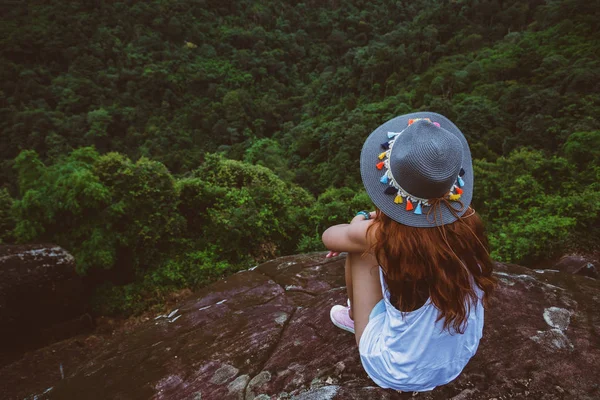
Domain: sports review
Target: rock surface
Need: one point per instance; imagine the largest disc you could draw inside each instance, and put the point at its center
(576, 264)
(41, 297)
(265, 334)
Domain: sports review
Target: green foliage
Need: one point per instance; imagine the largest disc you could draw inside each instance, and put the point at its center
(106, 210)
(196, 198)
(29, 168)
(123, 300)
(535, 207)
(531, 238)
(247, 210)
(583, 149)
(159, 87)
(112, 213)
(191, 269)
(7, 219)
(99, 121)
(182, 83)
(269, 153)
(143, 213)
(56, 198)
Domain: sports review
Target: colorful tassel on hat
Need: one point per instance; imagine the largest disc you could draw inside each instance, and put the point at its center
(380, 165)
(454, 197)
(412, 121)
(385, 145)
(461, 183)
(418, 209)
(398, 199)
(382, 155)
(409, 205)
(384, 179)
(458, 190)
(437, 124)
(390, 190)
(462, 172)
(393, 134)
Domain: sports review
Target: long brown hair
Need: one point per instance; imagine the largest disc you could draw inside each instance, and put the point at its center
(437, 263)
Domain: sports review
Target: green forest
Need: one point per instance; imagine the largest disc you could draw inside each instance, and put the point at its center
(166, 144)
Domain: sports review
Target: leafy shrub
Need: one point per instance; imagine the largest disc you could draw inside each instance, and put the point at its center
(7, 219)
(534, 206)
(247, 211)
(532, 238)
(106, 210)
(191, 270)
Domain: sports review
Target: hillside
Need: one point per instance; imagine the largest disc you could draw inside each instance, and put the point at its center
(167, 144)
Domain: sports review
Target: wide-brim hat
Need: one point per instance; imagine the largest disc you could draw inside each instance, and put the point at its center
(414, 161)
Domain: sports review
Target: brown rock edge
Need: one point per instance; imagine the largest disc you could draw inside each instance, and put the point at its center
(42, 299)
(265, 333)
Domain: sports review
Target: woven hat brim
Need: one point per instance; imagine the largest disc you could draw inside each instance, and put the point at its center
(375, 189)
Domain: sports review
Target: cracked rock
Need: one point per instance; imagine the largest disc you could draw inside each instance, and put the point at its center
(558, 318)
(224, 374)
(258, 380)
(282, 341)
(236, 389)
(553, 339)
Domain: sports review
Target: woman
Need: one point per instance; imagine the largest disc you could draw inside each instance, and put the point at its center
(418, 270)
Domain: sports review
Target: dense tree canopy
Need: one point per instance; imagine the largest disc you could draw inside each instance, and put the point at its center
(176, 141)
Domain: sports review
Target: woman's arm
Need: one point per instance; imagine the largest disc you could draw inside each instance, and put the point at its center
(351, 237)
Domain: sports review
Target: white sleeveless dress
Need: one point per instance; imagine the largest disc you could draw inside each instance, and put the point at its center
(410, 351)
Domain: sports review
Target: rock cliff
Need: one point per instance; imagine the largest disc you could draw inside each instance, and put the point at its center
(265, 333)
(42, 299)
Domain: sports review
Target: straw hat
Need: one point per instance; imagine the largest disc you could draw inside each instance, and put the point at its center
(417, 170)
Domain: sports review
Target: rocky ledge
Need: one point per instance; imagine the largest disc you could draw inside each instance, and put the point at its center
(42, 299)
(265, 334)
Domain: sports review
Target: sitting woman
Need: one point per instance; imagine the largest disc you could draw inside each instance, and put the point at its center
(418, 271)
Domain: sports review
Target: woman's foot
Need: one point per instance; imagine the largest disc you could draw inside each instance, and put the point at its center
(340, 316)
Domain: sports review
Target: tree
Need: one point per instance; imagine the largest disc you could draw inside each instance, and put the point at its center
(106, 210)
(249, 211)
(7, 219)
(98, 120)
(534, 206)
(268, 153)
